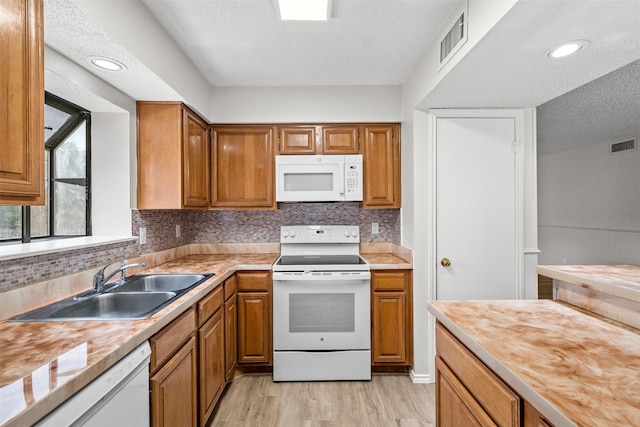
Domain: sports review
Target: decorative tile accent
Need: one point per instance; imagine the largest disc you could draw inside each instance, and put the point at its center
(201, 227)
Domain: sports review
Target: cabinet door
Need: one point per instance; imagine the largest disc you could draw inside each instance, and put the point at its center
(381, 166)
(533, 418)
(389, 331)
(174, 401)
(455, 406)
(243, 167)
(22, 103)
(297, 140)
(212, 367)
(254, 328)
(340, 139)
(195, 168)
(392, 318)
(231, 336)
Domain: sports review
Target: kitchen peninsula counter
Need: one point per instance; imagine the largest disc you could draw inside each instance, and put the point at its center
(573, 368)
(612, 291)
(43, 363)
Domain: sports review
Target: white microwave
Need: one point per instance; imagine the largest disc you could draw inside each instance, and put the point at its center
(321, 178)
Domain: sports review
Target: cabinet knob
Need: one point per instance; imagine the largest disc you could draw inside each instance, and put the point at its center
(445, 262)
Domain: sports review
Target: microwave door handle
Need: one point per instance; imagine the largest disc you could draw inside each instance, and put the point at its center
(341, 178)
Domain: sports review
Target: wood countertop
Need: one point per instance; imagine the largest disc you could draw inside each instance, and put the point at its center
(575, 369)
(43, 363)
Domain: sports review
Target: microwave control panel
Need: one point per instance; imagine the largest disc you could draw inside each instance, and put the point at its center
(353, 180)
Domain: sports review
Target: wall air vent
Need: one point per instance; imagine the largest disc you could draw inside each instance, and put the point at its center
(618, 147)
(454, 39)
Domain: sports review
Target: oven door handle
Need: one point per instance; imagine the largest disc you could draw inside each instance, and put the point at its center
(314, 276)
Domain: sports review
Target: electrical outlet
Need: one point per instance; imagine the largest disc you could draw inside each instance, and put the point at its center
(375, 228)
(143, 235)
(177, 230)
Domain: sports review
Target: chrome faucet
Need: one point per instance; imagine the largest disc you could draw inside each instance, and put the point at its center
(99, 280)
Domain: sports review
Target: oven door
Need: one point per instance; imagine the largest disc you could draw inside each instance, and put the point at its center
(321, 311)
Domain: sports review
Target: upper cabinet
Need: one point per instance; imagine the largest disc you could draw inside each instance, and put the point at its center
(22, 103)
(173, 157)
(381, 163)
(318, 139)
(243, 163)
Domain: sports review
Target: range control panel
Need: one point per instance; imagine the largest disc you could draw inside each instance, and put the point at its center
(320, 234)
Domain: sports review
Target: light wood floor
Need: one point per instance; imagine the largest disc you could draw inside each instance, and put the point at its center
(386, 400)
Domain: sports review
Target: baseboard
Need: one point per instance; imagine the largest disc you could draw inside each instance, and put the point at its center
(420, 379)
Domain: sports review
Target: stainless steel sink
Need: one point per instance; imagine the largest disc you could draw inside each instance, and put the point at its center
(159, 283)
(120, 306)
(138, 298)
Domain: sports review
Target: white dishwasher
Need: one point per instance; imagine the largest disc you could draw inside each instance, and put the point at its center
(118, 397)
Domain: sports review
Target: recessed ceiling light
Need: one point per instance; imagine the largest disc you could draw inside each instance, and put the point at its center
(106, 63)
(304, 10)
(567, 48)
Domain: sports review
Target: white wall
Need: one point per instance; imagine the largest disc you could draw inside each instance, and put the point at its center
(110, 158)
(417, 176)
(589, 206)
(305, 104)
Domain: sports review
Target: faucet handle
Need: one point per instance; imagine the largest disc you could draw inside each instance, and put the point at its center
(124, 262)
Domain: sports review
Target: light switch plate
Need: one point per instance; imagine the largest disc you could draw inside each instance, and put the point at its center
(143, 235)
(375, 228)
(177, 230)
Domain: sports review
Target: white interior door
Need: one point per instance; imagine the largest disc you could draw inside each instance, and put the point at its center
(477, 210)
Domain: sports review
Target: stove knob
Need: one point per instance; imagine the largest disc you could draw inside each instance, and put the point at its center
(293, 233)
(285, 233)
(354, 233)
(346, 233)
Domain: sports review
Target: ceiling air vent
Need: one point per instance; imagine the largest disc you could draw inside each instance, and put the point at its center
(456, 36)
(618, 147)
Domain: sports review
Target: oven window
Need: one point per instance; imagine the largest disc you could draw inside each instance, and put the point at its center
(325, 312)
(308, 181)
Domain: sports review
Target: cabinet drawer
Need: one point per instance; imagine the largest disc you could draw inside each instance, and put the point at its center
(389, 280)
(230, 287)
(254, 281)
(502, 404)
(210, 304)
(170, 339)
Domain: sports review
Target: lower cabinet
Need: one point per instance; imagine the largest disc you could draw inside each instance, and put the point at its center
(174, 374)
(470, 394)
(391, 314)
(255, 345)
(230, 327)
(211, 351)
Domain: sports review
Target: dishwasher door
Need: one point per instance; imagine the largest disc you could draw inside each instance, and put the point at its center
(118, 397)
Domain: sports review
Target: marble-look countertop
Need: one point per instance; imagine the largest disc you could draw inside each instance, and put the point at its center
(43, 363)
(385, 261)
(619, 280)
(573, 368)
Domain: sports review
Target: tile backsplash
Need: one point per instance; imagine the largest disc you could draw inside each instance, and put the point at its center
(201, 227)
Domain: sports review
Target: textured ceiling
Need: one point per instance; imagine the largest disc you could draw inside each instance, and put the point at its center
(244, 43)
(377, 42)
(606, 109)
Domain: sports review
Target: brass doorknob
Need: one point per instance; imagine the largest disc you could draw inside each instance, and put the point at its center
(445, 262)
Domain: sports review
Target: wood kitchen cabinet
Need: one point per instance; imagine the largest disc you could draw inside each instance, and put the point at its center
(381, 166)
(173, 157)
(22, 103)
(230, 326)
(243, 166)
(255, 328)
(319, 139)
(211, 346)
(173, 370)
(392, 314)
(469, 393)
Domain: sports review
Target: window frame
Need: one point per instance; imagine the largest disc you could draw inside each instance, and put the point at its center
(78, 116)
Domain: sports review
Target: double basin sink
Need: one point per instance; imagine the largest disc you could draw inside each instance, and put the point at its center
(138, 297)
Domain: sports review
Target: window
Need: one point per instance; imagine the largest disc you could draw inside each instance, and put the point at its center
(67, 208)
